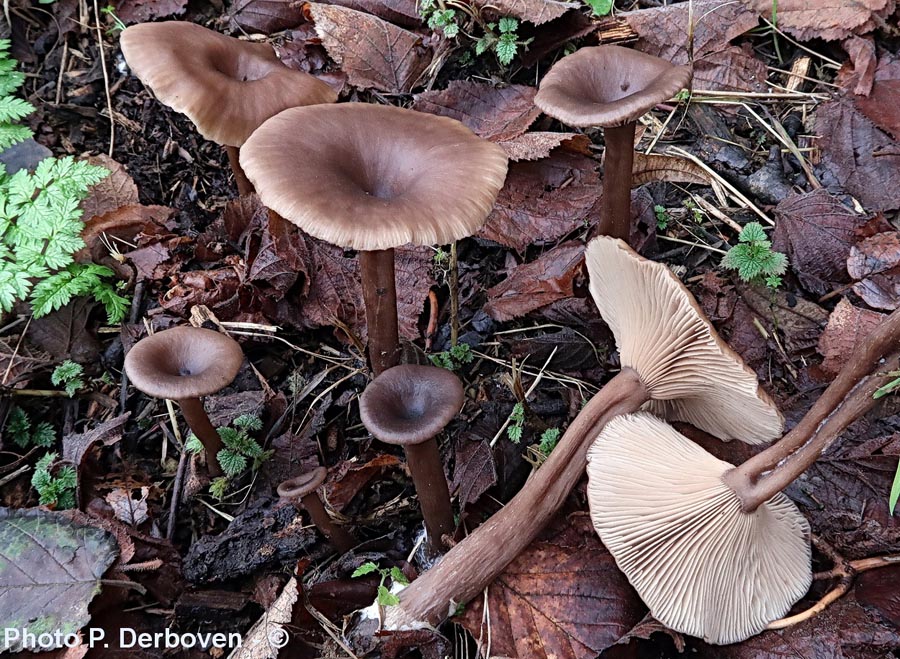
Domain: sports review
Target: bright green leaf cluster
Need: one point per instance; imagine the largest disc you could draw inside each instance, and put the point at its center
(24, 433)
(12, 109)
(68, 374)
(600, 7)
(240, 448)
(455, 358)
(56, 491)
(549, 438)
(439, 17)
(516, 423)
(385, 596)
(503, 38)
(754, 259)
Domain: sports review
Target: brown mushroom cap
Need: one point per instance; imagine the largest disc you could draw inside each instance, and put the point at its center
(608, 86)
(702, 565)
(227, 87)
(183, 362)
(661, 332)
(410, 404)
(374, 177)
(299, 486)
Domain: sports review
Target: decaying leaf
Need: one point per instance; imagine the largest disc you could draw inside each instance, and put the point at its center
(831, 20)
(50, 570)
(539, 144)
(117, 189)
(563, 597)
(494, 113)
(817, 231)
(847, 326)
(475, 472)
(266, 636)
(654, 167)
(799, 321)
(266, 16)
(349, 478)
(373, 53)
(878, 589)
(858, 157)
(76, 445)
(398, 12)
(882, 104)
(533, 11)
(127, 509)
(544, 200)
(533, 285)
(875, 262)
(141, 11)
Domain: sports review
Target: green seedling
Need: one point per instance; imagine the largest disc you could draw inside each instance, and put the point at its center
(24, 433)
(455, 358)
(754, 259)
(662, 217)
(549, 438)
(516, 423)
(56, 491)
(502, 38)
(240, 451)
(68, 374)
(385, 596)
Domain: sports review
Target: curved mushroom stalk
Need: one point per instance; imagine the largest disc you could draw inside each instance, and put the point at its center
(671, 358)
(373, 178)
(612, 87)
(184, 364)
(225, 86)
(302, 492)
(722, 552)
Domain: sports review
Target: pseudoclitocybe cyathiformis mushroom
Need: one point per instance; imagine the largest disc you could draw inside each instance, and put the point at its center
(184, 364)
(409, 406)
(225, 86)
(373, 178)
(672, 360)
(716, 551)
(302, 492)
(612, 87)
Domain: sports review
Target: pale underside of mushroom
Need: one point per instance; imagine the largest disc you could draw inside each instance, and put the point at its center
(691, 374)
(701, 565)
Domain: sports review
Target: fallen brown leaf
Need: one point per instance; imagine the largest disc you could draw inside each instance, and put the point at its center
(142, 11)
(875, 262)
(349, 478)
(831, 20)
(399, 12)
(540, 144)
(76, 445)
(474, 473)
(373, 53)
(654, 167)
(882, 104)
(117, 189)
(534, 11)
(266, 16)
(878, 589)
(847, 326)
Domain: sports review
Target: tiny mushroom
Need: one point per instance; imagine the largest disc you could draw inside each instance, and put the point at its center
(408, 406)
(722, 552)
(302, 491)
(185, 364)
(612, 87)
(372, 178)
(225, 86)
(672, 360)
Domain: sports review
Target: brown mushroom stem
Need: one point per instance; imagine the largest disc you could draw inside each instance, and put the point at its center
(380, 295)
(244, 185)
(424, 463)
(338, 535)
(847, 398)
(202, 427)
(476, 561)
(615, 205)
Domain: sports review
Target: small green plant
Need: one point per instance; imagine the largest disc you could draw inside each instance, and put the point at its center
(441, 258)
(502, 38)
(439, 17)
(25, 433)
(455, 358)
(754, 259)
(516, 423)
(696, 213)
(662, 217)
(599, 7)
(549, 438)
(118, 25)
(385, 596)
(238, 452)
(12, 109)
(56, 491)
(68, 374)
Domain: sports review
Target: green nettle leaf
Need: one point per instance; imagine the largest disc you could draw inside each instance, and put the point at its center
(508, 24)
(398, 576)
(232, 463)
(753, 257)
(752, 232)
(386, 597)
(451, 30)
(249, 422)
(506, 48)
(366, 568)
(484, 44)
(600, 7)
(193, 444)
(218, 487)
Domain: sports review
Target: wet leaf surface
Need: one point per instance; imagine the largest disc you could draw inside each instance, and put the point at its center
(875, 262)
(831, 20)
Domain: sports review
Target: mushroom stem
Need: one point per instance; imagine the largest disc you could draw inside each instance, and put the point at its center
(847, 398)
(473, 563)
(424, 463)
(380, 295)
(244, 185)
(615, 205)
(202, 427)
(338, 535)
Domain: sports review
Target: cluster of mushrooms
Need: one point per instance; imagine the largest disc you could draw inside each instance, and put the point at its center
(714, 550)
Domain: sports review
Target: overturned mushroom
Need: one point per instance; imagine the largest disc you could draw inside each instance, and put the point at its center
(612, 87)
(184, 364)
(409, 406)
(225, 86)
(302, 492)
(717, 551)
(671, 358)
(372, 178)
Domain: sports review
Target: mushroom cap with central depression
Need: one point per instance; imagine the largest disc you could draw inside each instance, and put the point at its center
(183, 362)
(372, 177)
(678, 532)
(608, 86)
(225, 86)
(410, 404)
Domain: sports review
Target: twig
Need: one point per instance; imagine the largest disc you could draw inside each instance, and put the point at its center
(109, 107)
(176, 494)
(432, 319)
(454, 295)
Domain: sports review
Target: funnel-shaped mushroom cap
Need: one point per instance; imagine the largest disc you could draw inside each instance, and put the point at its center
(183, 362)
(608, 86)
(299, 486)
(227, 87)
(374, 177)
(409, 404)
(690, 373)
(702, 565)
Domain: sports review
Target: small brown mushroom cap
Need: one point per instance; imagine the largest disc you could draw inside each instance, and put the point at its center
(298, 487)
(374, 177)
(608, 86)
(409, 404)
(183, 362)
(225, 86)
(661, 332)
(702, 565)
